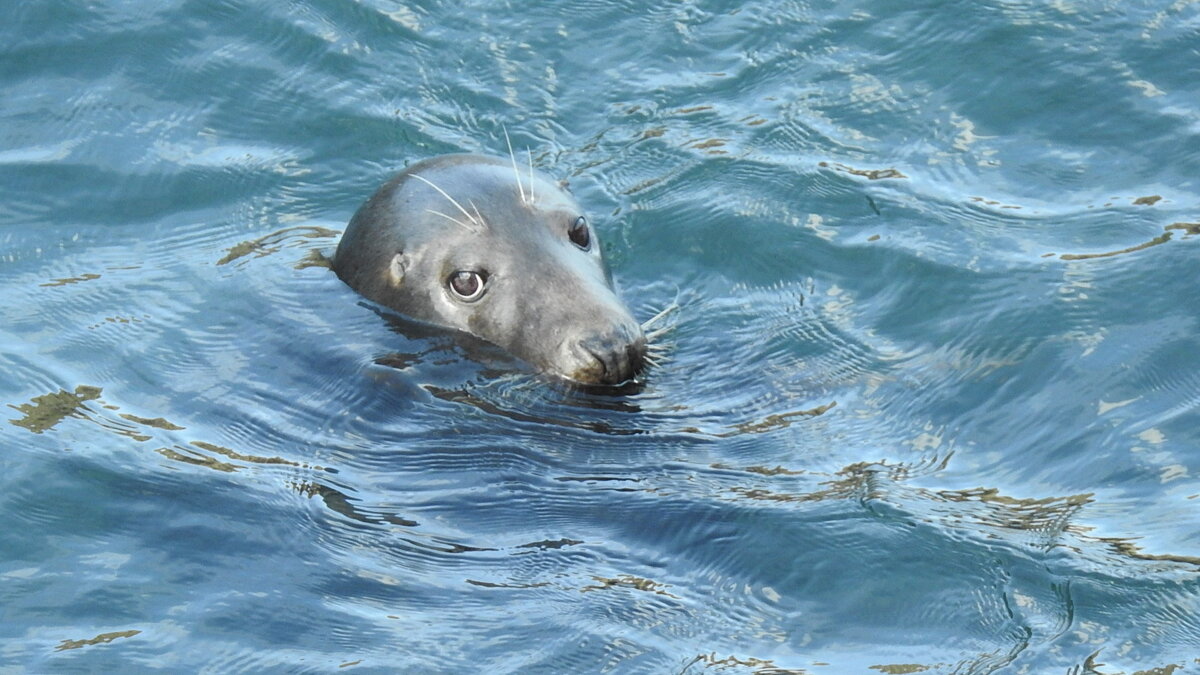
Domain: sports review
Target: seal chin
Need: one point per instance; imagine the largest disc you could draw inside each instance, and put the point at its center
(607, 359)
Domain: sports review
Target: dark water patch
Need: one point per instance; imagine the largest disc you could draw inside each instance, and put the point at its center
(1160, 239)
(45, 411)
(271, 243)
(1188, 228)
(72, 280)
(157, 422)
(103, 638)
(869, 174)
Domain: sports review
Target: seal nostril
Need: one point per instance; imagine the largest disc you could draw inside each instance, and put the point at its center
(611, 359)
(601, 370)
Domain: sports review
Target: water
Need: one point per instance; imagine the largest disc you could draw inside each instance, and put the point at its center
(932, 396)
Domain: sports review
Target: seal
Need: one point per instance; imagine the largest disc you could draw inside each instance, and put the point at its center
(462, 242)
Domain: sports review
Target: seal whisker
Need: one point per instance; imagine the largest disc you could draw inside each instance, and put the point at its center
(666, 310)
(456, 221)
(530, 152)
(660, 358)
(650, 335)
(443, 193)
(516, 173)
(477, 213)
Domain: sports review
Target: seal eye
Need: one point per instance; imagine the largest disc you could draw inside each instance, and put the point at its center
(578, 232)
(468, 286)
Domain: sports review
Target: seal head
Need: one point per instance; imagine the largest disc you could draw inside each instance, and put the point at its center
(462, 241)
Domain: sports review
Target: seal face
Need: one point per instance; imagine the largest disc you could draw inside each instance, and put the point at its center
(461, 241)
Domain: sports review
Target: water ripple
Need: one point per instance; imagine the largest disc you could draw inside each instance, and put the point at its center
(926, 399)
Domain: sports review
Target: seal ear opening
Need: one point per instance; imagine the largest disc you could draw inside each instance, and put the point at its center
(396, 269)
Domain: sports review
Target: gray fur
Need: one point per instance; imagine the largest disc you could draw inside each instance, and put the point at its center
(547, 301)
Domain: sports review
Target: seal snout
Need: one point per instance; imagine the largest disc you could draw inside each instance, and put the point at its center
(610, 358)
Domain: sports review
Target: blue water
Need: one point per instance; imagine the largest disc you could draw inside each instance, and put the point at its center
(931, 401)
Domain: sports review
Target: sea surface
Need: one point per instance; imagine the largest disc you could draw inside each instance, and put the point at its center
(930, 396)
